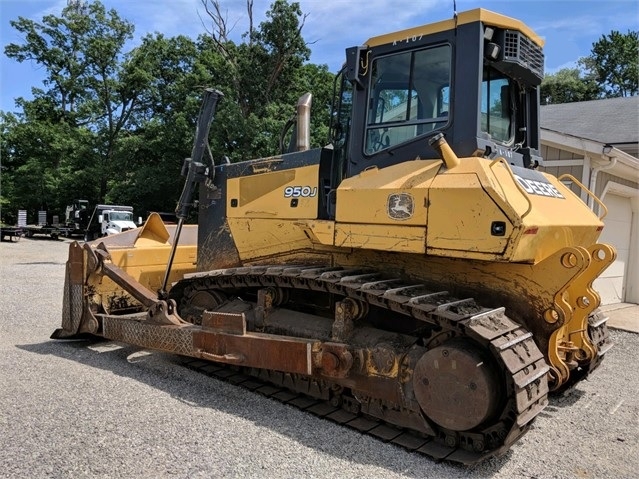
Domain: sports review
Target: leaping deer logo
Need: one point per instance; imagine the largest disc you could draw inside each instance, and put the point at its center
(400, 206)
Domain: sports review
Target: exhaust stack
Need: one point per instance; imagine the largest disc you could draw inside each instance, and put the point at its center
(304, 122)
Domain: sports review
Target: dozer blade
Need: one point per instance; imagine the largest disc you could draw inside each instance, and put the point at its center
(121, 274)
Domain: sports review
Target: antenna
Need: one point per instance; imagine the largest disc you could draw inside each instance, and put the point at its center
(454, 12)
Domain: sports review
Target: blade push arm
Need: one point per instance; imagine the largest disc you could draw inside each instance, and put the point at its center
(194, 170)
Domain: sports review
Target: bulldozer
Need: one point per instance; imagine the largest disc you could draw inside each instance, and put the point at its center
(418, 278)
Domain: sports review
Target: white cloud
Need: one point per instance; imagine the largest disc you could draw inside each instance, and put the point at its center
(170, 17)
(566, 25)
(332, 26)
(55, 8)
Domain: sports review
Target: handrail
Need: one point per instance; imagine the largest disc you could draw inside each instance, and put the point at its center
(519, 187)
(588, 192)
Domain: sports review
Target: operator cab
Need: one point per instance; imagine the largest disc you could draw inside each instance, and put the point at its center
(474, 78)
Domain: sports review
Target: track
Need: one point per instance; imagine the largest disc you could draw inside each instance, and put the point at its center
(439, 317)
(598, 333)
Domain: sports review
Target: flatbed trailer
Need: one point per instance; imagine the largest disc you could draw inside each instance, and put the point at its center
(32, 230)
(11, 232)
(70, 231)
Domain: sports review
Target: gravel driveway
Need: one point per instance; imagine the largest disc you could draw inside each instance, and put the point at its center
(79, 409)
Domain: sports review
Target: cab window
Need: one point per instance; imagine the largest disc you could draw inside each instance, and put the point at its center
(409, 97)
(496, 105)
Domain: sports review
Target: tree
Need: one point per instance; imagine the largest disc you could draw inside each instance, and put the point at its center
(568, 85)
(262, 78)
(110, 125)
(152, 149)
(611, 70)
(40, 159)
(318, 80)
(90, 83)
(262, 67)
(614, 63)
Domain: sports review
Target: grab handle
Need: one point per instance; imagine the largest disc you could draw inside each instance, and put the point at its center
(588, 192)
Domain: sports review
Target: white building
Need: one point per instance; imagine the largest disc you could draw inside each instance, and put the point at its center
(597, 142)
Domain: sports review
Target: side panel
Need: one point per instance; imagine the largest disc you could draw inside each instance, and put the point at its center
(251, 209)
(291, 193)
(396, 195)
(399, 239)
(216, 247)
(258, 238)
(461, 215)
(480, 209)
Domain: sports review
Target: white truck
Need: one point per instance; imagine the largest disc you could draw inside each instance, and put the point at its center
(110, 219)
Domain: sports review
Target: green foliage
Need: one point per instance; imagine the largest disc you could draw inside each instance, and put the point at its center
(110, 125)
(568, 85)
(614, 63)
(611, 70)
(262, 79)
(318, 80)
(64, 142)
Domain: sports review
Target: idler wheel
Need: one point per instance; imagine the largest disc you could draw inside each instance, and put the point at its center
(457, 385)
(198, 303)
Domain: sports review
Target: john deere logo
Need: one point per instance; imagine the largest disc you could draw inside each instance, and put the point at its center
(400, 206)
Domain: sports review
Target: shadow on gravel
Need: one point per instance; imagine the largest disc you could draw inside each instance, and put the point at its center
(43, 238)
(564, 400)
(42, 262)
(167, 373)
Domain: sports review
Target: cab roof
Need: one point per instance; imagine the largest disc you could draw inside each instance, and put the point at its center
(477, 15)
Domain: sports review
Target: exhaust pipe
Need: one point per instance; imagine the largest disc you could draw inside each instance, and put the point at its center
(304, 122)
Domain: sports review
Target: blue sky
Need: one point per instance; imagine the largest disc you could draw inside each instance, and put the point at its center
(569, 27)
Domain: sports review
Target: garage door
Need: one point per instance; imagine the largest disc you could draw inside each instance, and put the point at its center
(610, 284)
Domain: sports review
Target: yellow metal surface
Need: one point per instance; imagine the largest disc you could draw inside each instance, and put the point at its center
(396, 238)
(318, 231)
(274, 194)
(579, 301)
(364, 198)
(147, 264)
(257, 237)
(460, 217)
(551, 223)
(415, 207)
(153, 232)
(478, 15)
(464, 201)
(143, 254)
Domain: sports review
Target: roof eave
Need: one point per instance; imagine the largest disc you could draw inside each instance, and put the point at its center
(627, 164)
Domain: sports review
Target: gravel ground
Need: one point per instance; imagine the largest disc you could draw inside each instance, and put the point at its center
(77, 409)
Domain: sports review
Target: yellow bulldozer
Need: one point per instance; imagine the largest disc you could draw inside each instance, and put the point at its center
(418, 278)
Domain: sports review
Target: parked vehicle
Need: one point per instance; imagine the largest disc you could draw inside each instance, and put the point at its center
(109, 220)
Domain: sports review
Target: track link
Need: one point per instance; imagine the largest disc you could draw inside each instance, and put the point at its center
(511, 346)
(600, 337)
